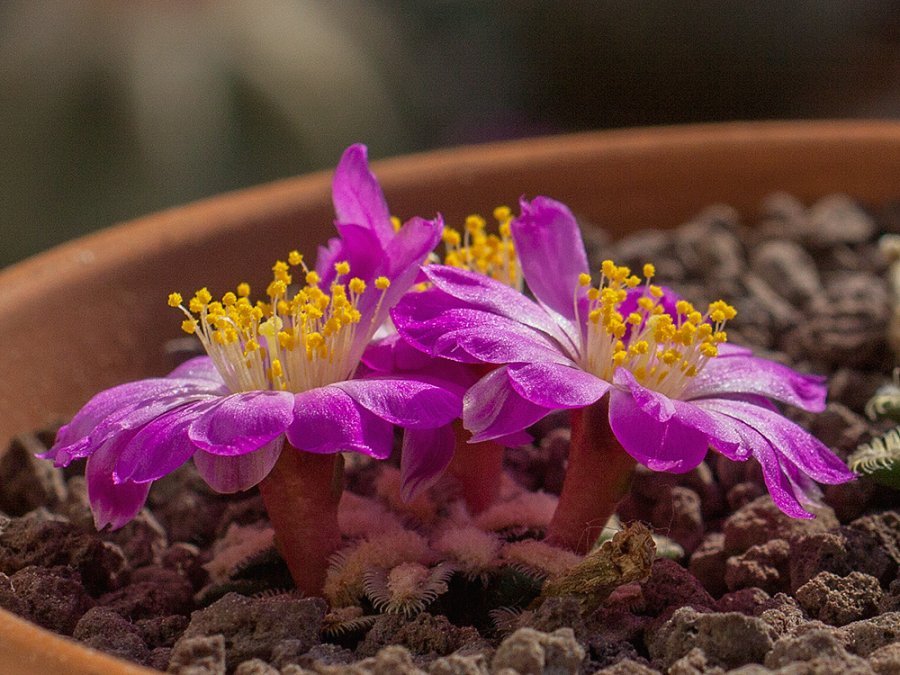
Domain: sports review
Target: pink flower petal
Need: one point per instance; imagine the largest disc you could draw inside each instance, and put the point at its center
(239, 472)
(405, 402)
(493, 409)
(328, 420)
(556, 386)
(242, 423)
(550, 249)
(425, 455)
(357, 197)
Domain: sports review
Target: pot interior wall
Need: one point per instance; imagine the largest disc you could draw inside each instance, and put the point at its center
(92, 313)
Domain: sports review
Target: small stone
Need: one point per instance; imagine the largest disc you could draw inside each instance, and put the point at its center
(760, 520)
(791, 268)
(890, 601)
(105, 630)
(729, 639)
(682, 517)
(531, 652)
(559, 612)
(198, 656)
(253, 626)
(707, 563)
(864, 637)
(390, 660)
(48, 543)
(886, 527)
(604, 653)
(820, 645)
(50, 597)
(28, 482)
(840, 600)
(886, 660)
(255, 667)
(287, 652)
(837, 219)
(671, 586)
(783, 614)
(762, 566)
(845, 324)
(628, 667)
(162, 631)
(456, 664)
(154, 592)
(749, 601)
(142, 539)
(428, 634)
(159, 658)
(694, 663)
(841, 552)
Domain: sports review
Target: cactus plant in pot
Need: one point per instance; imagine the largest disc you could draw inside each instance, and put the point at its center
(84, 316)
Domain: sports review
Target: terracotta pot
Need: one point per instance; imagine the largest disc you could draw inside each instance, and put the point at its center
(92, 313)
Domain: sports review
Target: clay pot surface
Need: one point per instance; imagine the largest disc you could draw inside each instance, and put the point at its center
(92, 313)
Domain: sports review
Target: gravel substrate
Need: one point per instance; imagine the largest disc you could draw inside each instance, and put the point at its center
(193, 584)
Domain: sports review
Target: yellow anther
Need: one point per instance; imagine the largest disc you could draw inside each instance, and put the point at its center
(684, 307)
(632, 281)
(312, 279)
(286, 340)
(474, 224)
(634, 319)
(608, 268)
(229, 299)
(502, 214)
(396, 223)
(649, 271)
(645, 303)
(584, 279)
(314, 340)
(175, 299)
(619, 357)
(276, 288)
(709, 350)
(594, 315)
(243, 289)
(342, 267)
(250, 346)
(357, 285)
(295, 258)
(189, 326)
(276, 370)
(669, 357)
(382, 283)
(656, 291)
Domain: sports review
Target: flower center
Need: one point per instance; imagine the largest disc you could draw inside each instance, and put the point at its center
(296, 341)
(493, 255)
(662, 350)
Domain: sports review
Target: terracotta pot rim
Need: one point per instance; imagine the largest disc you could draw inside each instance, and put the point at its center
(485, 155)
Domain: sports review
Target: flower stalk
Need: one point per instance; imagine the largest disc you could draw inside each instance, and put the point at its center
(476, 470)
(301, 494)
(598, 476)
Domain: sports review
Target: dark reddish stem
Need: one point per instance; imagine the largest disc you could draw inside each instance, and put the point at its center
(476, 470)
(598, 475)
(301, 494)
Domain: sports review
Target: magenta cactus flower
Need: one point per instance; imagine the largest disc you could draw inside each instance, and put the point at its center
(471, 467)
(278, 396)
(648, 377)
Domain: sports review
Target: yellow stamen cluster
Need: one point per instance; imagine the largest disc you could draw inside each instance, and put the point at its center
(295, 340)
(474, 249)
(662, 351)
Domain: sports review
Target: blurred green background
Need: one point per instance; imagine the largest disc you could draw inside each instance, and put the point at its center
(110, 109)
